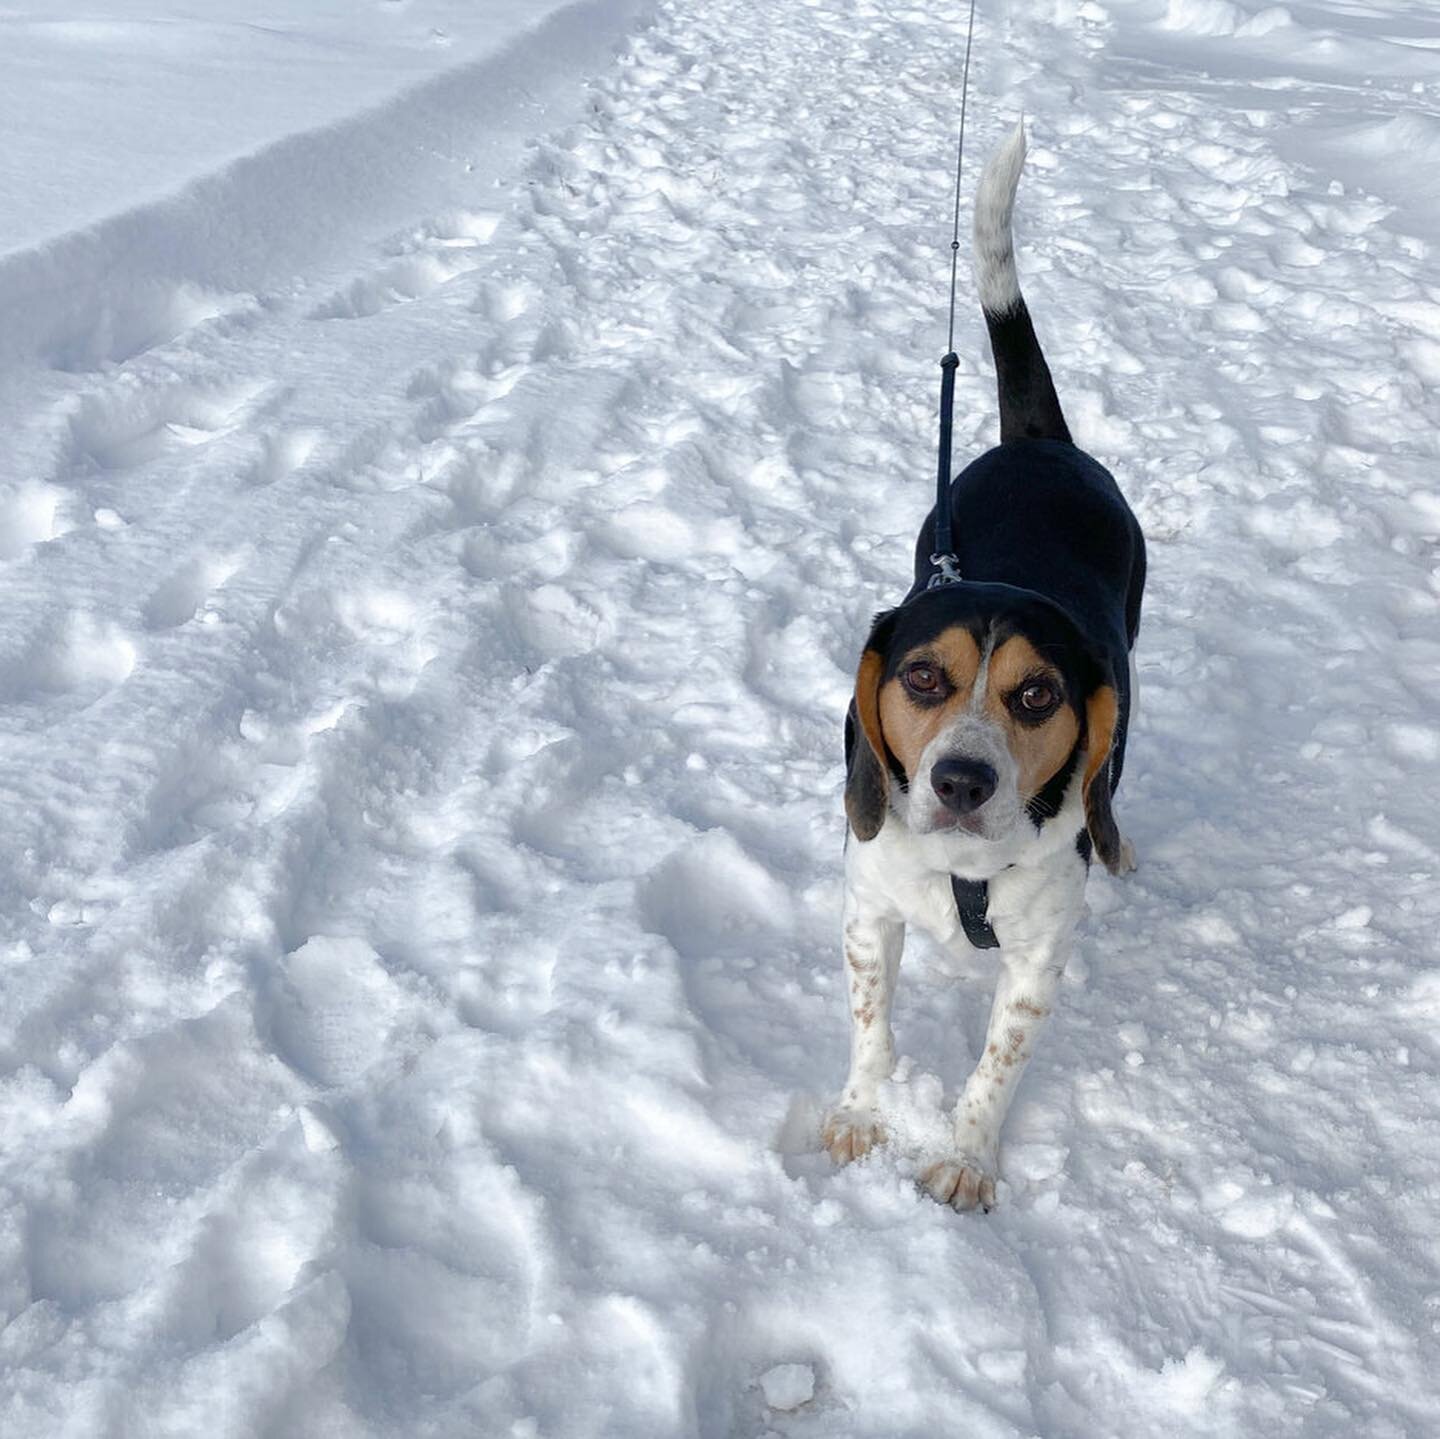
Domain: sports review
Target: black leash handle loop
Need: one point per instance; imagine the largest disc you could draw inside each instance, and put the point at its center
(944, 542)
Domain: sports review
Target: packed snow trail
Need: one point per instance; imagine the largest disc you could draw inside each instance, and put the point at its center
(421, 704)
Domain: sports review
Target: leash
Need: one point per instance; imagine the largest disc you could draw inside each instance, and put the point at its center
(947, 567)
(972, 896)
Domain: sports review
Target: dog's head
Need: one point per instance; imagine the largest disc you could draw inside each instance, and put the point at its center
(976, 707)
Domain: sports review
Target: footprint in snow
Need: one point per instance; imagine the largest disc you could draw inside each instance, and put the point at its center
(73, 654)
(131, 425)
(201, 787)
(482, 482)
(769, 1396)
(554, 623)
(248, 1255)
(711, 900)
(456, 392)
(282, 452)
(429, 259)
(152, 1117)
(382, 631)
(141, 318)
(322, 618)
(788, 1386)
(502, 302)
(182, 595)
(31, 514)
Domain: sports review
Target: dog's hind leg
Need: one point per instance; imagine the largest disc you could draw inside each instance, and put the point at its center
(872, 960)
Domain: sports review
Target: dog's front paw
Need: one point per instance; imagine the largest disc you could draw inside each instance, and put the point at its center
(962, 1182)
(1125, 862)
(851, 1133)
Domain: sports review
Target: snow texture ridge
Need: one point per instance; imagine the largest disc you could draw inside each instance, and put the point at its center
(423, 652)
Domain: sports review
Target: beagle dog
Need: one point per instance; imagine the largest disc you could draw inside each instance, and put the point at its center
(987, 731)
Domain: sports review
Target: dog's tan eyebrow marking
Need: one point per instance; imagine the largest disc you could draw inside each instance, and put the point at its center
(1017, 659)
(955, 650)
(1040, 750)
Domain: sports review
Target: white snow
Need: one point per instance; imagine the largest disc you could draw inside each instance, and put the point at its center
(788, 1386)
(108, 106)
(445, 480)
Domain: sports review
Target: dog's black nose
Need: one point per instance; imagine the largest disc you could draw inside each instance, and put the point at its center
(963, 784)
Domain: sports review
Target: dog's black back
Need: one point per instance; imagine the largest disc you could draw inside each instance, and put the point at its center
(1044, 516)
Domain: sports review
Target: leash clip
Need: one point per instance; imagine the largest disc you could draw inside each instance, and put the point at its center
(947, 571)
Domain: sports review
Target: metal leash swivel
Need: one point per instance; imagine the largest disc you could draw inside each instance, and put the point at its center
(947, 567)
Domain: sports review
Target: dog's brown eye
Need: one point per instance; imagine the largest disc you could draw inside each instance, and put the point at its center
(1038, 697)
(923, 679)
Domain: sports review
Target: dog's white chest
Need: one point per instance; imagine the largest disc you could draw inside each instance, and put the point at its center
(895, 877)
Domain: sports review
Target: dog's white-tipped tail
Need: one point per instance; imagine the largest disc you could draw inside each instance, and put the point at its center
(1029, 407)
(994, 254)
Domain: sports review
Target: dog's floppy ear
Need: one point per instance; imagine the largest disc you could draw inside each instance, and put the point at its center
(867, 769)
(1102, 712)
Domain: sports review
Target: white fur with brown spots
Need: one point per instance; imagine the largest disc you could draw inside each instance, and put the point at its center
(901, 878)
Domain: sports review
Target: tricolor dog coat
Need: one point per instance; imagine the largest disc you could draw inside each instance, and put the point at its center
(987, 731)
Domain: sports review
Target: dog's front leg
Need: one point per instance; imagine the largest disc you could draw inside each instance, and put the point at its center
(873, 943)
(1035, 945)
